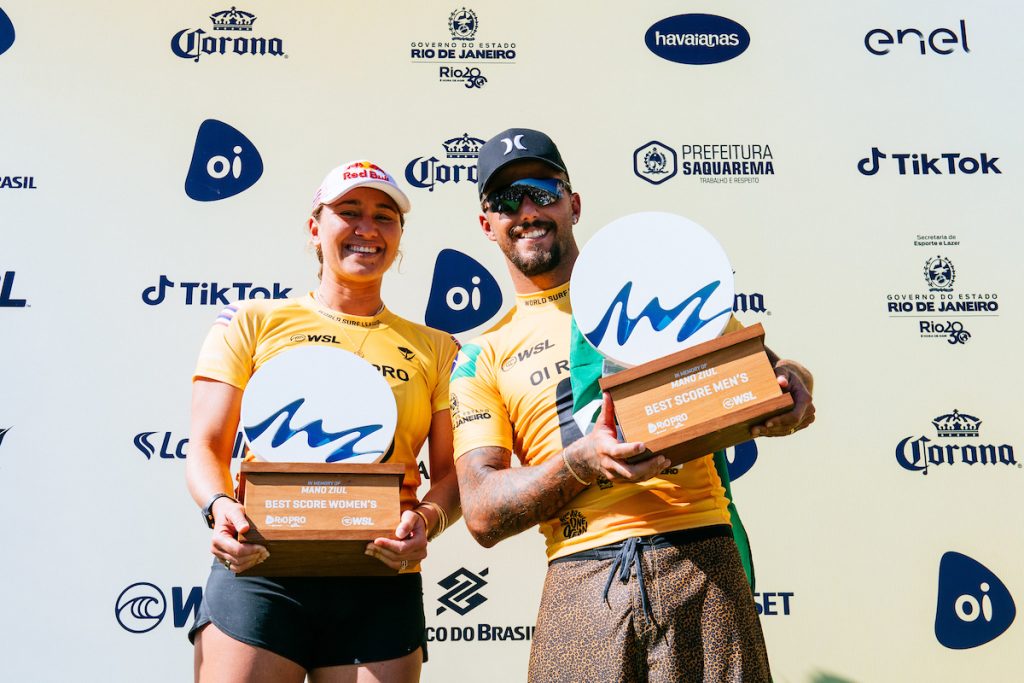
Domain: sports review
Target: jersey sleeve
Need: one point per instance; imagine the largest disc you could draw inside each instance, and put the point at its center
(447, 350)
(479, 416)
(227, 353)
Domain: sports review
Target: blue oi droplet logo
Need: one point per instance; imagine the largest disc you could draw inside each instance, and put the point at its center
(973, 607)
(463, 294)
(224, 163)
(6, 32)
(743, 457)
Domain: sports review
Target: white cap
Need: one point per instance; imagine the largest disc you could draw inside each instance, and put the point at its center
(355, 174)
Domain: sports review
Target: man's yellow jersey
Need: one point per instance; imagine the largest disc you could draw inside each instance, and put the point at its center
(511, 388)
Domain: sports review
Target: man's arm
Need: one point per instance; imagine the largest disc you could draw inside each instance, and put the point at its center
(499, 502)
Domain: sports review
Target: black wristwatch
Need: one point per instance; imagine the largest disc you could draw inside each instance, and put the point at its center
(208, 510)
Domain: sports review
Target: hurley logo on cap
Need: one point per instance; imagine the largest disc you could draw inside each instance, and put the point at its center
(516, 143)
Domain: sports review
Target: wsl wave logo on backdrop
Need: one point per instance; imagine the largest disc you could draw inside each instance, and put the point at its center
(654, 162)
(424, 173)
(224, 163)
(6, 32)
(974, 606)
(7, 298)
(463, 294)
(232, 35)
(142, 606)
(918, 455)
(697, 39)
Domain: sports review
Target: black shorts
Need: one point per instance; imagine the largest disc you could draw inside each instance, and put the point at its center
(318, 622)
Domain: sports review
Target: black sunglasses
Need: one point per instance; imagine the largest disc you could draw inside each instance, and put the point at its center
(541, 191)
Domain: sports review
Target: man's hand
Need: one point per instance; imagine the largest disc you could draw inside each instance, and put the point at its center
(600, 453)
(798, 382)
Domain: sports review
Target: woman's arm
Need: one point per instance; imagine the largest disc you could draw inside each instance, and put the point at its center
(215, 410)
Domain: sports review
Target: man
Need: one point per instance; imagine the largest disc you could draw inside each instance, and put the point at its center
(681, 609)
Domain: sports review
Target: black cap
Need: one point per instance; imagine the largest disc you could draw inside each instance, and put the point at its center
(515, 144)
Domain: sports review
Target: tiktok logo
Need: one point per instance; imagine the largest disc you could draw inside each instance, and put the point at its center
(224, 163)
(974, 606)
(463, 295)
(6, 32)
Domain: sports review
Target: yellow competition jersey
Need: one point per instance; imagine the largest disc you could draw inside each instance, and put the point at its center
(415, 360)
(511, 388)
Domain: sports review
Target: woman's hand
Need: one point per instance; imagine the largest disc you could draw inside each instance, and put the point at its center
(229, 521)
(407, 547)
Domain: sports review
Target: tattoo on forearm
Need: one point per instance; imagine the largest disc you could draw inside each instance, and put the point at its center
(506, 501)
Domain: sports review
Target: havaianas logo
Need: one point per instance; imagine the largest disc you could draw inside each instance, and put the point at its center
(316, 436)
(659, 317)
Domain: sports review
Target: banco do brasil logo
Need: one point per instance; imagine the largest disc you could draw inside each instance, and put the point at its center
(462, 152)
(462, 591)
(6, 32)
(973, 606)
(224, 163)
(232, 35)
(697, 39)
(463, 294)
(956, 432)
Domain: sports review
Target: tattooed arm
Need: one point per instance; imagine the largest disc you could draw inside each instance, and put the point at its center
(499, 502)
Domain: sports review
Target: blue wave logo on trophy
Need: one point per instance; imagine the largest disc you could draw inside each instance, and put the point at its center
(345, 410)
(658, 317)
(650, 284)
(316, 435)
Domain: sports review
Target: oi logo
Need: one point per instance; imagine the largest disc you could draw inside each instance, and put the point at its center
(463, 294)
(6, 32)
(973, 607)
(740, 459)
(224, 163)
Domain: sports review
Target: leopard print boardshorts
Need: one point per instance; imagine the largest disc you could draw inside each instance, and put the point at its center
(671, 607)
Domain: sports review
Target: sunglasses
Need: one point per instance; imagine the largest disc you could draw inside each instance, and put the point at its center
(541, 191)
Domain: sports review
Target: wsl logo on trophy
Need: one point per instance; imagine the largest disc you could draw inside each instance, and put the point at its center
(687, 389)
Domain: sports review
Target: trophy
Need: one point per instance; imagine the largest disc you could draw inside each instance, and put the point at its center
(652, 292)
(321, 423)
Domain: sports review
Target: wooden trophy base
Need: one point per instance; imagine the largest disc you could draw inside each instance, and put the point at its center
(316, 518)
(700, 399)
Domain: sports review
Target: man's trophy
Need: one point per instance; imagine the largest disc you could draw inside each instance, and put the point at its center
(652, 293)
(321, 423)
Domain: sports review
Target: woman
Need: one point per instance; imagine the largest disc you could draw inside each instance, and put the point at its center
(334, 629)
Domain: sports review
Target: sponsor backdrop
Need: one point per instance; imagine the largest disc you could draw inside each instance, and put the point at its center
(860, 164)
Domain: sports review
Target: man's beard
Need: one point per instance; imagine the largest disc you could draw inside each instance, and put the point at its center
(536, 262)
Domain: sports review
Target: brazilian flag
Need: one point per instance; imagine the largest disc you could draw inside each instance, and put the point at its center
(586, 366)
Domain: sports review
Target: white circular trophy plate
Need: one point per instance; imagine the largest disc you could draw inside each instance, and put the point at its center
(318, 404)
(650, 284)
